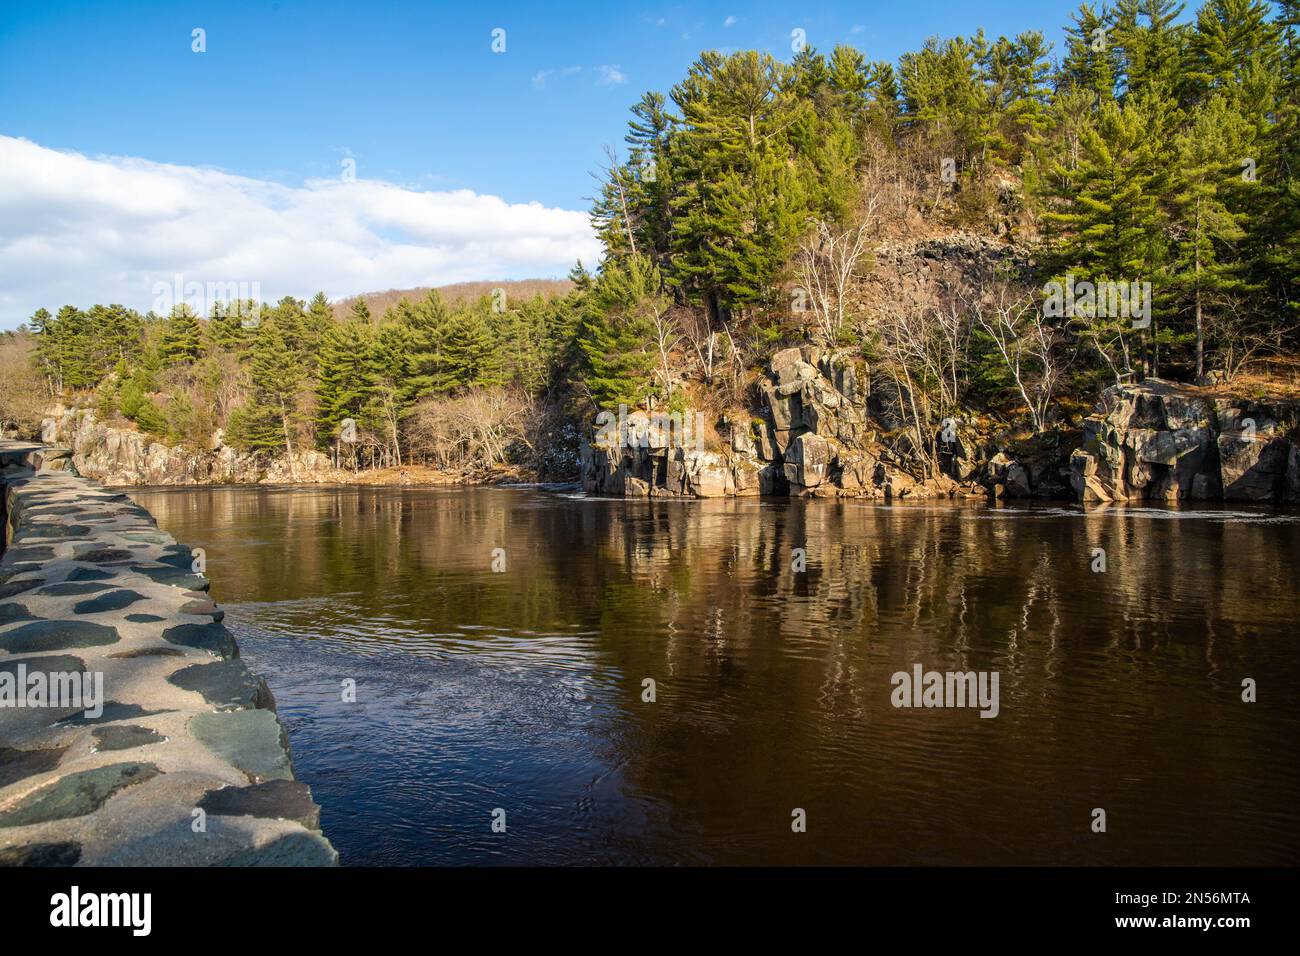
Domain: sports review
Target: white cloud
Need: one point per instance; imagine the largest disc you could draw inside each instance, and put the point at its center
(80, 230)
(610, 75)
(729, 22)
(540, 78)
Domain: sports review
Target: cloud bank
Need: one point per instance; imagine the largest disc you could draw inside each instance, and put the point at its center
(78, 230)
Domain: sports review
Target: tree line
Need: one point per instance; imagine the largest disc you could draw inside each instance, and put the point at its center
(1149, 152)
(289, 377)
(741, 215)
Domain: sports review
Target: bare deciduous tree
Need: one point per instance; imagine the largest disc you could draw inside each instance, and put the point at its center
(24, 395)
(1028, 344)
(473, 430)
(826, 265)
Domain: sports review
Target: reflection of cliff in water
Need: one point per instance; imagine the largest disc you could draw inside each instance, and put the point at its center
(1118, 689)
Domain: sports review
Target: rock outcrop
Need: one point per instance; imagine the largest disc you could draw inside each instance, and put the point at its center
(122, 456)
(821, 431)
(1164, 442)
(131, 734)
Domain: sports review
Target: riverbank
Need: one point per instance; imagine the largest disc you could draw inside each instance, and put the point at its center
(823, 427)
(131, 734)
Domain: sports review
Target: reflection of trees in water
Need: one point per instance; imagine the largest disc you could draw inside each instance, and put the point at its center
(958, 584)
(773, 686)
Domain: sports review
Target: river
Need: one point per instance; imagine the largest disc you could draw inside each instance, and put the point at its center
(522, 689)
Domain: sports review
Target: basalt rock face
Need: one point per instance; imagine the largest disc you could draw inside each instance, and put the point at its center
(823, 429)
(120, 456)
(1159, 441)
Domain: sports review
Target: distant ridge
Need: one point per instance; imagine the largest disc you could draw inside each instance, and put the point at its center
(380, 302)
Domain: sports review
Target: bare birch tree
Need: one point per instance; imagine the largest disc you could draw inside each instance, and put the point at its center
(1014, 322)
(826, 265)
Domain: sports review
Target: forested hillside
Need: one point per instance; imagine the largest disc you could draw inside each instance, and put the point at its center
(754, 205)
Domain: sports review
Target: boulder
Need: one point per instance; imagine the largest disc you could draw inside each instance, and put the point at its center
(783, 360)
(1016, 482)
(808, 461)
(1253, 468)
(707, 475)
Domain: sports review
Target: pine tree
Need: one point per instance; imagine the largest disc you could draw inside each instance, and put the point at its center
(428, 321)
(360, 312)
(182, 342)
(1153, 47)
(268, 421)
(1231, 36)
(317, 322)
(344, 387)
(1204, 223)
(1091, 63)
(883, 99)
(48, 354)
(471, 355)
(615, 334)
(942, 95)
(740, 203)
(1110, 204)
(387, 368)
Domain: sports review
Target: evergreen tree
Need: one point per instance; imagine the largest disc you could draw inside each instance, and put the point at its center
(1090, 63)
(360, 312)
(182, 342)
(1111, 208)
(882, 99)
(1204, 223)
(1153, 48)
(428, 321)
(1231, 37)
(471, 355)
(268, 421)
(741, 202)
(616, 333)
(344, 386)
(387, 402)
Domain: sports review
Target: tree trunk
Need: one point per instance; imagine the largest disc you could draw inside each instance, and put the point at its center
(1200, 333)
(288, 441)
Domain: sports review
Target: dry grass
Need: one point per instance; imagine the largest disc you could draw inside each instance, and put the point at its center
(1276, 379)
(428, 475)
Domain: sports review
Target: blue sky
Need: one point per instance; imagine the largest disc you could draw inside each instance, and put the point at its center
(131, 159)
(410, 90)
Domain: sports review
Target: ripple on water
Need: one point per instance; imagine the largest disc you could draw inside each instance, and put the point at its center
(524, 690)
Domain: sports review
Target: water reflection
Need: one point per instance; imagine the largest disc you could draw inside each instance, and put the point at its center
(523, 690)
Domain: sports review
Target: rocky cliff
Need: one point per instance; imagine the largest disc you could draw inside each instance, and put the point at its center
(121, 456)
(823, 426)
(826, 428)
(1164, 442)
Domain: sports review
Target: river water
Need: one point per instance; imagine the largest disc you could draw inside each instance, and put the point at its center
(523, 690)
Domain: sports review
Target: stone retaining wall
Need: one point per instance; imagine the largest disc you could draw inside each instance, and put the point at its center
(187, 764)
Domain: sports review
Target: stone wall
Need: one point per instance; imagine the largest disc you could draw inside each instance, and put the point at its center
(182, 761)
